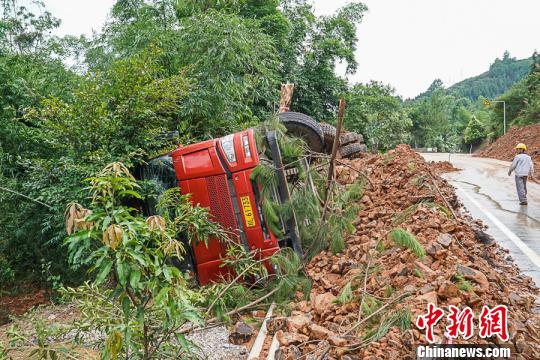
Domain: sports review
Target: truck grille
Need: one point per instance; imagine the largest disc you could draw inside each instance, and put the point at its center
(221, 206)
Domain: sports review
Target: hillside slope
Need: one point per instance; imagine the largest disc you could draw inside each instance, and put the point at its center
(503, 147)
(502, 74)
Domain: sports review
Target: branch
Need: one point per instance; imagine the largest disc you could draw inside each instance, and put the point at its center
(231, 283)
(440, 193)
(25, 196)
(254, 302)
(376, 312)
(358, 171)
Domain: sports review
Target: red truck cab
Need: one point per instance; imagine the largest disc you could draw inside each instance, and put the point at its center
(217, 175)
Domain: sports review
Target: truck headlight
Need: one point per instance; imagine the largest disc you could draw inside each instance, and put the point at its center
(245, 142)
(227, 144)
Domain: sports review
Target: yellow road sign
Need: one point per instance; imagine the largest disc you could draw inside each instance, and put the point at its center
(486, 102)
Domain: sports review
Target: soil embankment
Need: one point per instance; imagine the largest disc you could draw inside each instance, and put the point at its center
(503, 147)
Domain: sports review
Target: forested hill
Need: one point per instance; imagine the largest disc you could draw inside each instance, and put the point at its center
(502, 74)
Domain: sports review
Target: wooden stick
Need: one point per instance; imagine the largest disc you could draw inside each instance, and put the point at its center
(25, 196)
(376, 312)
(286, 97)
(358, 171)
(231, 283)
(335, 146)
(440, 193)
(254, 302)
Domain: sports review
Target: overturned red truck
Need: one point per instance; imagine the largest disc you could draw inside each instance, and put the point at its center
(217, 175)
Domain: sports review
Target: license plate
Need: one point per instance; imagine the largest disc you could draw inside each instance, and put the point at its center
(248, 211)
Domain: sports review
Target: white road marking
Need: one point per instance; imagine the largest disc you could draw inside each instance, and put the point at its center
(535, 259)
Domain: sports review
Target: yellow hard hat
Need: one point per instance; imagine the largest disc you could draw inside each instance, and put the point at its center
(521, 146)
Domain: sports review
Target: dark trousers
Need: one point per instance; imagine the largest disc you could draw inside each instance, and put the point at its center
(521, 187)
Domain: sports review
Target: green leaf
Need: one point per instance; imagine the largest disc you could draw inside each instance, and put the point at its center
(138, 257)
(121, 269)
(105, 269)
(167, 273)
(130, 192)
(126, 308)
(134, 278)
(162, 295)
(407, 240)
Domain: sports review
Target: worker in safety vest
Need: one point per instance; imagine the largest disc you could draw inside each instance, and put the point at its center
(522, 166)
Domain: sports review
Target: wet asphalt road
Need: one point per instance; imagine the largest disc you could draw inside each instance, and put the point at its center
(487, 191)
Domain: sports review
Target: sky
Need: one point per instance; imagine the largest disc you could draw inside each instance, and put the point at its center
(404, 43)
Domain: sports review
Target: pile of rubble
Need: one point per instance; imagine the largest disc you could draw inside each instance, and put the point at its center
(503, 147)
(462, 266)
(440, 167)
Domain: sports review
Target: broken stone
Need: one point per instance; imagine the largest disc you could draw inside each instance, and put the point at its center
(241, 333)
(321, 302)
(337, 341)
(448, 290)
(390, 192)
(319, 332)
(430, 297)
(445, 240)
(286, 338)
(275, 324)
(426, 288)
(288, 353)
(521, 344)
(320, 351)
(410, 288)
(454, 301)
(297, 323)
(303, 306)
(475, 275)
(514, 298)
(434, 249)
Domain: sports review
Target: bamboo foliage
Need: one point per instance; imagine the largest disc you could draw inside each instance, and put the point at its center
(407, 240)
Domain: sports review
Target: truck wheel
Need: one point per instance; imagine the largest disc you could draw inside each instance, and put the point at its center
(352, 149)
(329, 132)
(304, 127)
(351, 137)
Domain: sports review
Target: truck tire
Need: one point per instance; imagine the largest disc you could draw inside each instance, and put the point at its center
(304, 127)
(352, 149)
(329, 132)
(351, 137)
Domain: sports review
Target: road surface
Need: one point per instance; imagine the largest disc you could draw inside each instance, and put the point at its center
(487, 191)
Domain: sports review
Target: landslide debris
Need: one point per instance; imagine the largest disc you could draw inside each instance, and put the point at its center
(440, 167)
(457, 269)
(503, 147)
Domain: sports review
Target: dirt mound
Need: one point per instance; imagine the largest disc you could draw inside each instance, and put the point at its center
(440, 167)
(18, 304)
(360, 296)
(503, 147)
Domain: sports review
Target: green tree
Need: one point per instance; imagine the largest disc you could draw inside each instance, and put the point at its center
(149, 300)
(502, 74)
(375, 111)
(230, 59)
(475, 132)
(31, 69)
(314, 46)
